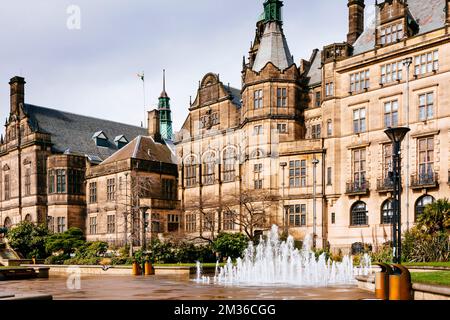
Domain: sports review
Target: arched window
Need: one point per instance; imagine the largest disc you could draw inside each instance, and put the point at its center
(209, 166)
(387, 212)
(7, 224)
(28, 218)
(359, 214)
(421, 203)
(229, 165)
(190, 171)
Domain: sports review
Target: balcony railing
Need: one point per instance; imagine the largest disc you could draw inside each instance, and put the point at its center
(424, 180)
(385, 185)
(357, 187)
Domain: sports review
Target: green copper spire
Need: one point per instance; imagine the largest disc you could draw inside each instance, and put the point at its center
(165, 114)
(272, 11)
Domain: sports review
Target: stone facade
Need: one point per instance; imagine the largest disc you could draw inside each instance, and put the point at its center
(333, 109)
(49, 158)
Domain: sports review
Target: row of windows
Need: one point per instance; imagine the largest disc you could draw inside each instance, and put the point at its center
(281, 128)
(359, 215)
(391, 113)
(423, 64)
(168, 189)
(173, 222)
(391, 34)
(297, 215)
(65, 181)
(258, 98)
(228, 221)
(298, 168)
(60, 224)
(425, 162)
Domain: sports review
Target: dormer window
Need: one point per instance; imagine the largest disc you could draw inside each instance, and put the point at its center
(101, 140)
(395, 22)
(121, 141)
(391, 34)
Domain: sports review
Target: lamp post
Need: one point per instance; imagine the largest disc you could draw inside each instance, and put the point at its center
(407, 63)
(144, 228)
(144, 231)
(284, 209)
(396, 135)
(315, 162)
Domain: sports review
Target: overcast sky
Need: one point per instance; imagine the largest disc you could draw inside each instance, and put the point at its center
(93, 70)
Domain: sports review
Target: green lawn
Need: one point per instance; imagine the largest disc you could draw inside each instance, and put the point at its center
(7, 268)
(427, 264)
(440, 277)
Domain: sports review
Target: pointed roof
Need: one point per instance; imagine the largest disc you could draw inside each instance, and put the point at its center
(144, 148)
(164, 93)
(273, 48)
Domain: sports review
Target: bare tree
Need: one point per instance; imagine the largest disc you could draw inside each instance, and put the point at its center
(208, 222)
(254, 213)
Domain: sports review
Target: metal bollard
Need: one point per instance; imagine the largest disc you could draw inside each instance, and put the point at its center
(400, 283)
(136, 270)
(149, 269)
(382, 281)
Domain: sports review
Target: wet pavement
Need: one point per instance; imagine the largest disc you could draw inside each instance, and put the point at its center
(170, 288)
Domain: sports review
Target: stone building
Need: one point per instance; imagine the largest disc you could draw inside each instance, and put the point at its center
(47, 155)
(305, 142)
(137, 185)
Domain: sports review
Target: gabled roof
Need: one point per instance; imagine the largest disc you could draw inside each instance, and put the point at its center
(121, 138)
(75, 132)
(273, 48)
(429, 14)
(100, 134)
(144, 148)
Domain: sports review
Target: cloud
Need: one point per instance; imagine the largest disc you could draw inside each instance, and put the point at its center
(92, 71)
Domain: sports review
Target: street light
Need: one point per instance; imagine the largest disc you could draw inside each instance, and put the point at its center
(144, 231)
(315, 162)
(144, 227)
(284, 209)
(396, 135)
(407, 63)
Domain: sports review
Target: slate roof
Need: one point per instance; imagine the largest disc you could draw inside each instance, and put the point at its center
(428, 14)
(236, 94)
(72, 133)
(273, 48)
(144, 148)
(315, 71)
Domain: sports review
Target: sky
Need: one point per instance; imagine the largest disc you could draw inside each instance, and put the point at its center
(83, 56)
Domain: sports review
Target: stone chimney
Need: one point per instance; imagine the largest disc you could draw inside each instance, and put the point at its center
(17, 93)
(154, 125)
(355, 20)
(447, 11)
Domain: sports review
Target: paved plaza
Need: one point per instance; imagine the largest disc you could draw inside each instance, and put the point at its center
(162, 288)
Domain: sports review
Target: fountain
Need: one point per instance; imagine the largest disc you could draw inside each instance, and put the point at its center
(273, 262)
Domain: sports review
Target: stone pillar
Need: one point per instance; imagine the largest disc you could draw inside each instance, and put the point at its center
(355, 20)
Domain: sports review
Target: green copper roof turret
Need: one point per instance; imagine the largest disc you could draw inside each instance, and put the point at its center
(165, 114)
(272, 11)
